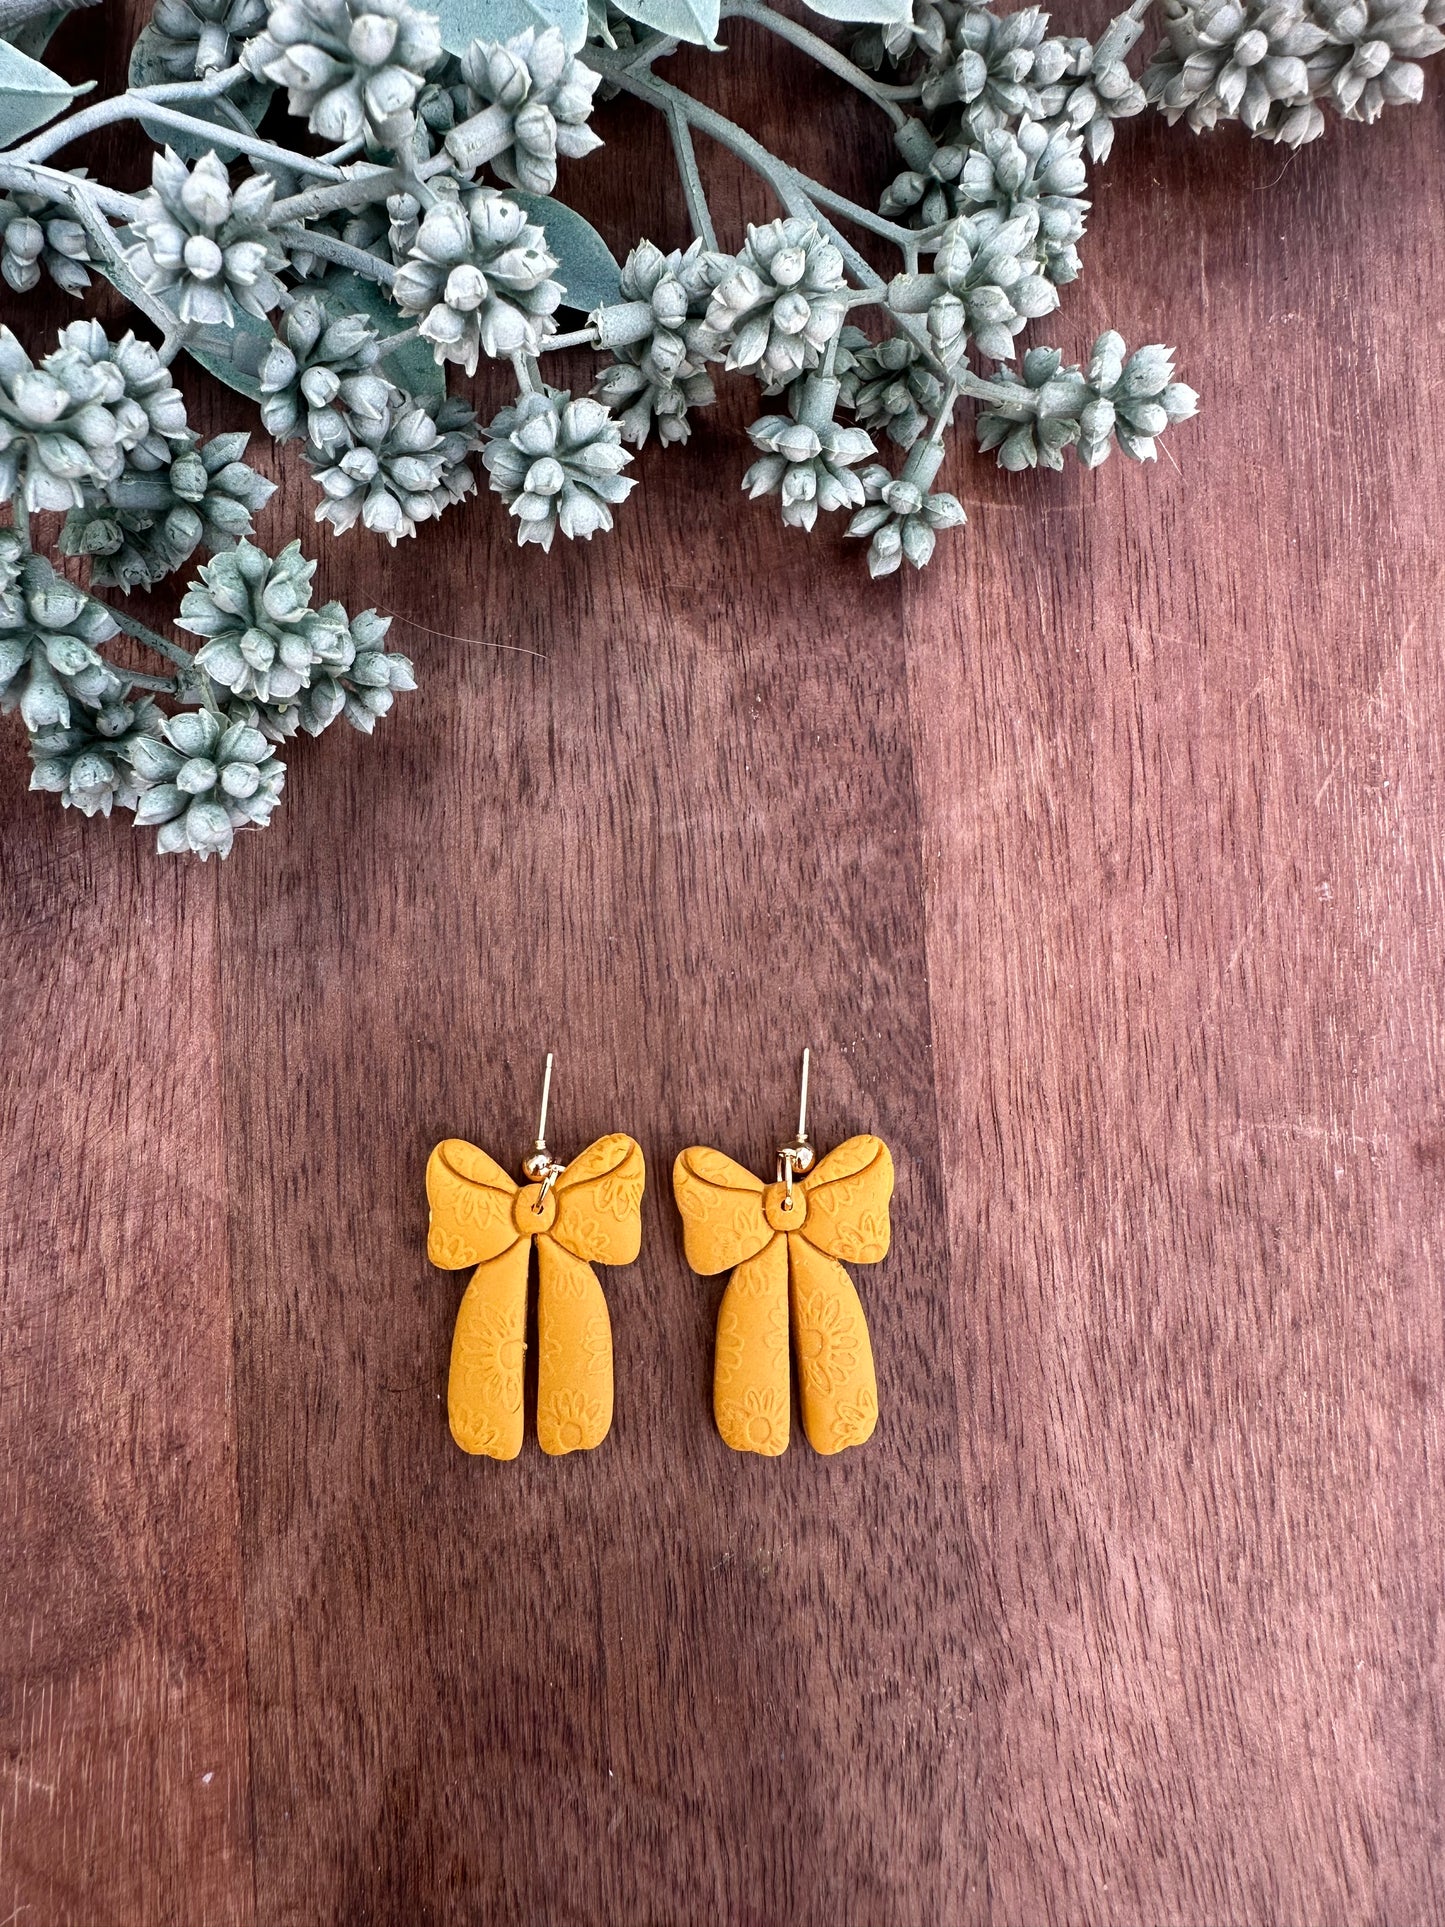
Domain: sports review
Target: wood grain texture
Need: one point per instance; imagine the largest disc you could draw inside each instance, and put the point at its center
(123, 1710)
(1181, 780)
(1101, 868)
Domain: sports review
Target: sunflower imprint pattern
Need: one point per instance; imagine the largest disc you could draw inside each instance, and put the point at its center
(736, 1333)
(596, 1344)
(494, 1347)
(827, 1343)
(731, 1342)
(784, 1257)
(570, 1420)
(755, 1422)
(481, 1217)
(855, 1416)
(474, 1433)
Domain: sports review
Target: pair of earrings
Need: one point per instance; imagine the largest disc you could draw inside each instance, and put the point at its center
(783, 1242)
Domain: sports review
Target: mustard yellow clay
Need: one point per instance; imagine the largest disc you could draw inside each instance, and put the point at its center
(479, 1216)
(784, 1256)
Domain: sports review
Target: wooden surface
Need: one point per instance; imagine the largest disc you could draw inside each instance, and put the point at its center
(1101, 867)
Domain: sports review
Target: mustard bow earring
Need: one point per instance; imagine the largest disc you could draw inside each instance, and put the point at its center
(783, 1241)
(588, 1210)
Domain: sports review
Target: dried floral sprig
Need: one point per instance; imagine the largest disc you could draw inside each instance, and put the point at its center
(411, 230)
(1120, 400)
(98, 427)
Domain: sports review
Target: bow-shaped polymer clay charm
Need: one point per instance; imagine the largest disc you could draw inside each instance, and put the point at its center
(783, 1242)
(584, 1212)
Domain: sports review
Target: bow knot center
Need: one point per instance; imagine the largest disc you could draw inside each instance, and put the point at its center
(783, 1213)
(533, 1210)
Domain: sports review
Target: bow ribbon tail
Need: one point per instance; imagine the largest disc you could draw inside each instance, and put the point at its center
(574, 1365)
(750, 1373)
(836, 1383)
(489, 1345)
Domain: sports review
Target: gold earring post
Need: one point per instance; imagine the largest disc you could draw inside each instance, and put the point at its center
(541, 1167)
(541, 1143)
(797, 1155)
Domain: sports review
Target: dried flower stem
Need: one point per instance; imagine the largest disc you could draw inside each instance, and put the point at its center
(697, 208)
(172, 651)
(819, 49)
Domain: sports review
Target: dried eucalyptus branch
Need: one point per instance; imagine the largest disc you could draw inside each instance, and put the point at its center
(336, 280)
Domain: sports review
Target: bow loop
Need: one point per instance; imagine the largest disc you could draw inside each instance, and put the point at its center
(471, 1206)
(599, 1202)
(848, 1193)
(723, 1222)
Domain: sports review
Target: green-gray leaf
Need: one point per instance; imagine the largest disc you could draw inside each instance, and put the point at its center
(586, 268)
(463, 21)
(34, 34)
(694, 20)
(146, 67)
(234, 355)
(30, 94)
(880, 13)
(413, 366)
(251, 97)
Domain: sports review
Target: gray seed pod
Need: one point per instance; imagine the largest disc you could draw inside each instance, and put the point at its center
(992, 67)
(526, 101)
(204, 245)
(349, 66)
(1371, 59)
(903, 518)
(888, 385)
(1038, 166)
(1098, 88)
(404, 467)
(89, 766)
(49, 632)
(263, 638)
(923, 30)
(985, 287)
(1235, 60)
(1122, 399)
(146, 524)
(359, 681)
(193, 38)
(65, 425)
(307, 379)
(155, 429)
(479, 274)
(658, 336)
(780, 305)
(807, 458)
(36, 233)
(208, 776)
(557, 464)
